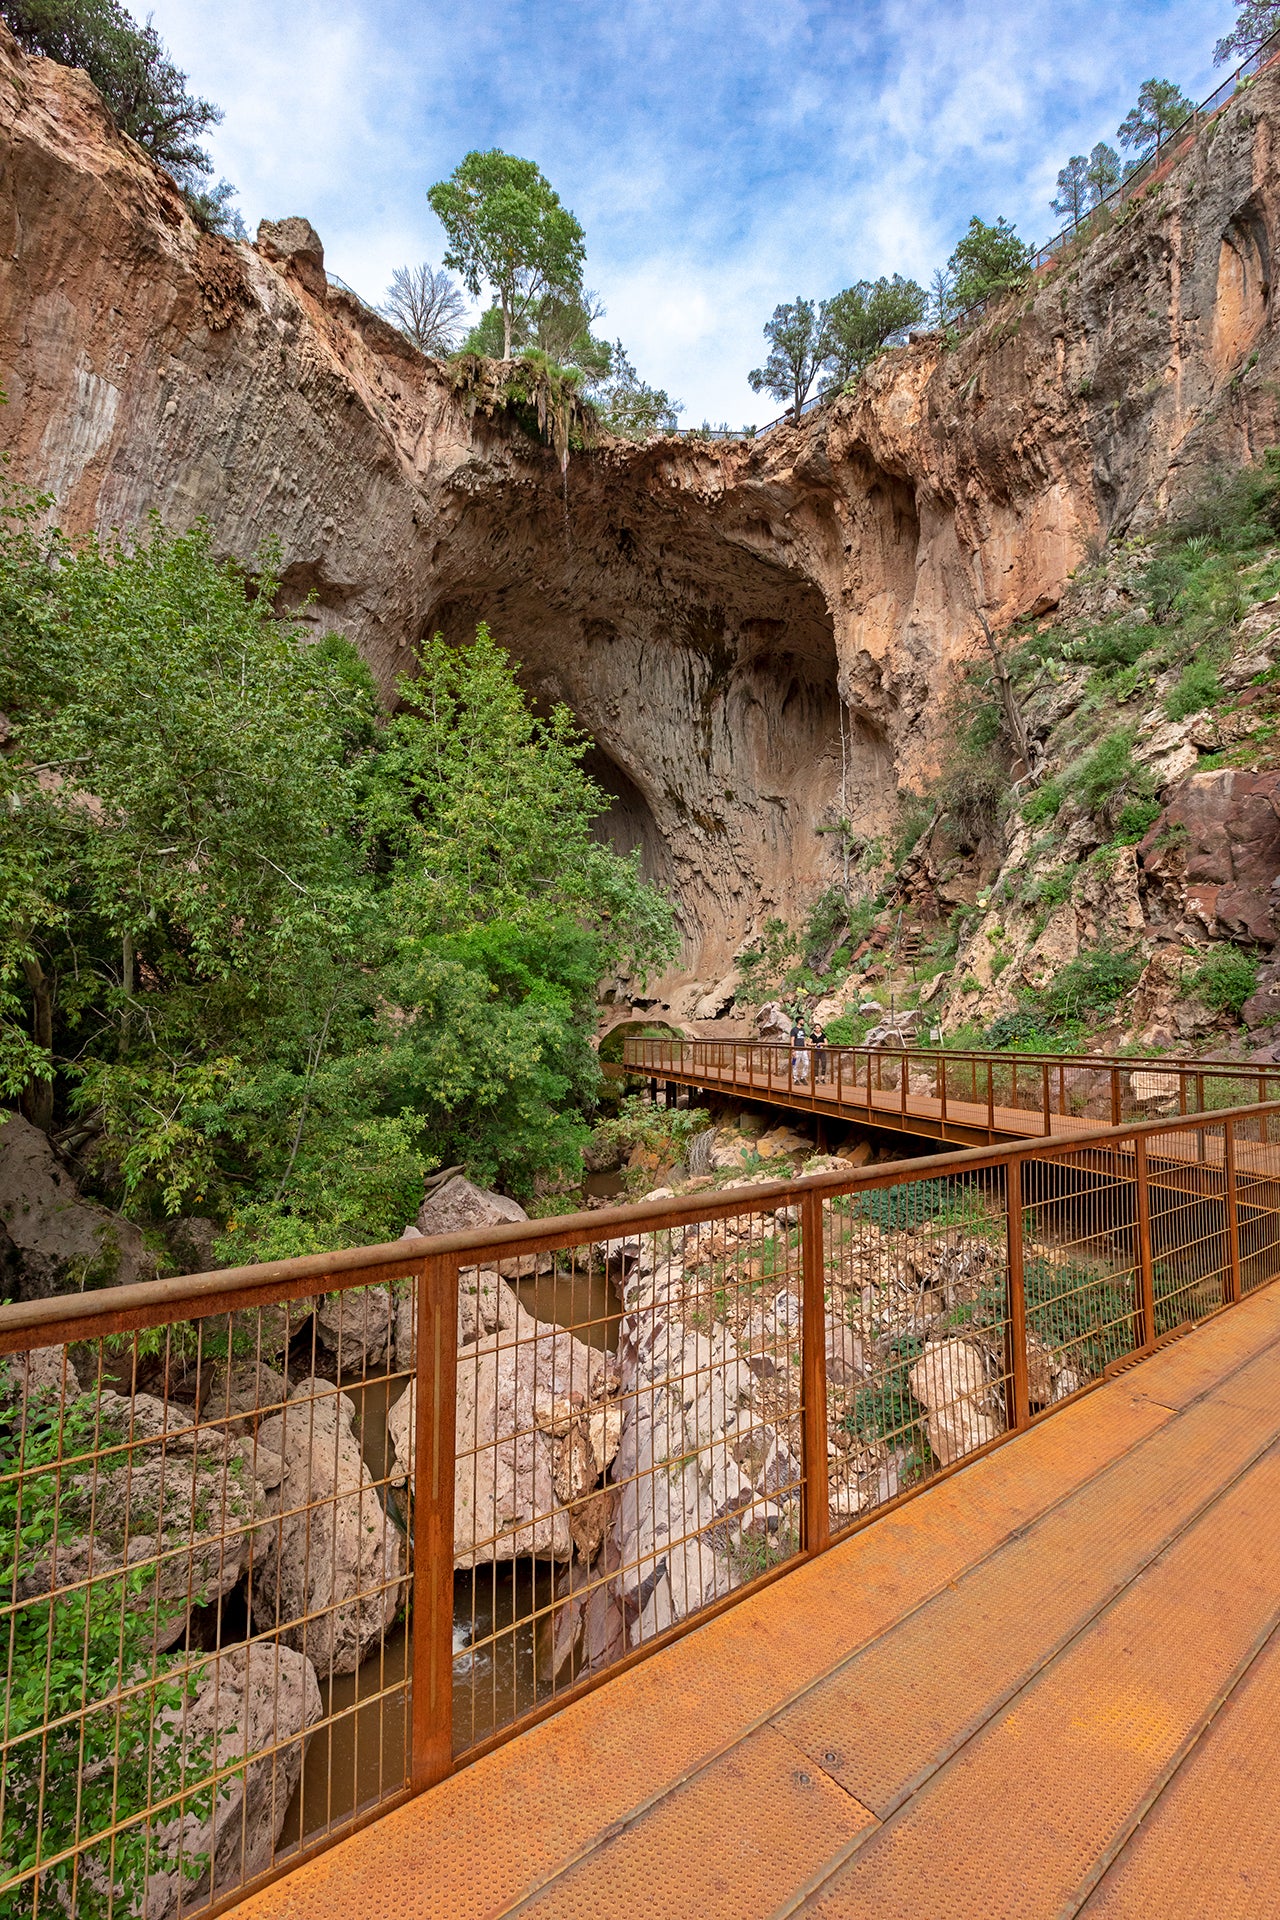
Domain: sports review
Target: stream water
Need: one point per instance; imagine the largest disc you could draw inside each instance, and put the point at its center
(501, 1622)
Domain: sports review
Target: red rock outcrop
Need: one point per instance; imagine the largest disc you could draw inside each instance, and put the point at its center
(1213, 856)
(759, 636)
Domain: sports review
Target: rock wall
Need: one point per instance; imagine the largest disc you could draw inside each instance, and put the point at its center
(759, 636)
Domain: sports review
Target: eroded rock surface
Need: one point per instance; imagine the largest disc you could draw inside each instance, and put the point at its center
(754, 633)
(51, 1240)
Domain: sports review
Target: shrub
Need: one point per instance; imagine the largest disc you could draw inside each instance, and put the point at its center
(1043, 803)
(1224, 979)
(1089, 984)
(1103, 772)
(1198, 687)
(1134, 818)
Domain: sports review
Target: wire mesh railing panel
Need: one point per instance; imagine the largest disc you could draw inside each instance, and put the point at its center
(1187, 1206)
(1255, 1146)
(917, 1336)
(628, 1449)
(1080, 1260)
(224, 1556)
(202, 1577)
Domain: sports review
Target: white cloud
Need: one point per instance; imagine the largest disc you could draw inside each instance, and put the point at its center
(722, 158)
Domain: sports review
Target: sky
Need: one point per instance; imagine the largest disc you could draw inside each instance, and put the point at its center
(723, 156)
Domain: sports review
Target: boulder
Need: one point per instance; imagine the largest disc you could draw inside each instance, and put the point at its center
(456, 1205)
(782, 1140)
(846, 1358)
(331, 1552)
(356, 1326)
(950, 1382)
(176, 1501)
(521, 1387)
(191, 1241)
(238, 1393)
(772, 1023)
(51, 1240)
(295, 245)
(1214, 854)
(1262, 1008)
(250, 1712)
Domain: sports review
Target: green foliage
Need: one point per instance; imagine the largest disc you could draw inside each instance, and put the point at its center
(1077, 1313)
(1072, 198)
(798, 346)
(1103, 173)
(1161, 107)
(508, 230)
(69, 1658)
(1089, 984)
(1133, 820)
(1043, 803)
(1224, 979)
(917, 1202)
(629, 406)
(130, 66)
(1198, 687)
(666, 1131)
(987, 259)
(1234, 511)
(1255, 23)
(887, 1410)
(273, 955)
(1107, 777)
(863, 320)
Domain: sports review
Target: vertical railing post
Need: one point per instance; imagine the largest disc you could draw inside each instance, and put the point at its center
(1231, 1280)
(1016, 1358)
(991, 1097)
(436, 1376)
(1115, 1096)
(1146, 1273)
(816, 1505)
(1044, 1095)
(942, 1061)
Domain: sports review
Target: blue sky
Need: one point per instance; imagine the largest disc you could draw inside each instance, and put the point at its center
(722, 156)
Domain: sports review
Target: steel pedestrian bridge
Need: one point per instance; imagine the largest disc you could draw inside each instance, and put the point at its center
(894, 1541)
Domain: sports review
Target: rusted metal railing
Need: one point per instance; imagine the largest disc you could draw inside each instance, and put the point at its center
(284, 1544)
(958, 1095)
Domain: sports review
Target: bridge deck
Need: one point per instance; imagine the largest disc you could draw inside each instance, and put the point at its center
(1049, 1685)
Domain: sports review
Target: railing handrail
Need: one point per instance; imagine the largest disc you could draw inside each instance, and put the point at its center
(1131, 1062)
(145, 1303)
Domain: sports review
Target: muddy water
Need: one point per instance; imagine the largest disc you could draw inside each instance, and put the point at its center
(501, 1618)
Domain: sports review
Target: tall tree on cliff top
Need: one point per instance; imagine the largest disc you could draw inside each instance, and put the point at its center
(798, 345)
(987, 259)
(1161, 107)
(1072, 198)
(1102, 175)
(866, 318)
(1255, 23)
(130, 66)
(508, 230)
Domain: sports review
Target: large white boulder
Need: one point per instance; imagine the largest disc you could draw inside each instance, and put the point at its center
(329, 1577)
(250, 1711)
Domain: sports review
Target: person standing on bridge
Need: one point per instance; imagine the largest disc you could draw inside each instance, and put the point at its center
(820, 1056)
(799, 1053)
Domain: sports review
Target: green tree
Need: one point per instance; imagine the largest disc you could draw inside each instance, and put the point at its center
(1072, 198)
(262, 950)
(130, 66)
(1161, 108)
(987, 259)
(1102, 176)
(558, 326)
(1255, 23)
(508, 230)
(629, 406)
(798, 345)
(863, 320)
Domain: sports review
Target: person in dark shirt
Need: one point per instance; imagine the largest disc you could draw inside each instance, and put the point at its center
(821, 1058)
(799, 1053)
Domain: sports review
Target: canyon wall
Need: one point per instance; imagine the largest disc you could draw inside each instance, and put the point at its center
(759, 636)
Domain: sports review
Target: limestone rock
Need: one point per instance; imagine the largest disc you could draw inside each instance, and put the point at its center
(950, 1382)
(1214, 854)
(238, 1393)
(457, 1205)
(520, 1387)
(295, 244)
(175, 1501)
(356, 1326)
(332, 1552)
(250, 1713)
(52, 1241)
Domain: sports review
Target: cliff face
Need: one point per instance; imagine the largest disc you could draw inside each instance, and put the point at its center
(759, 636)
